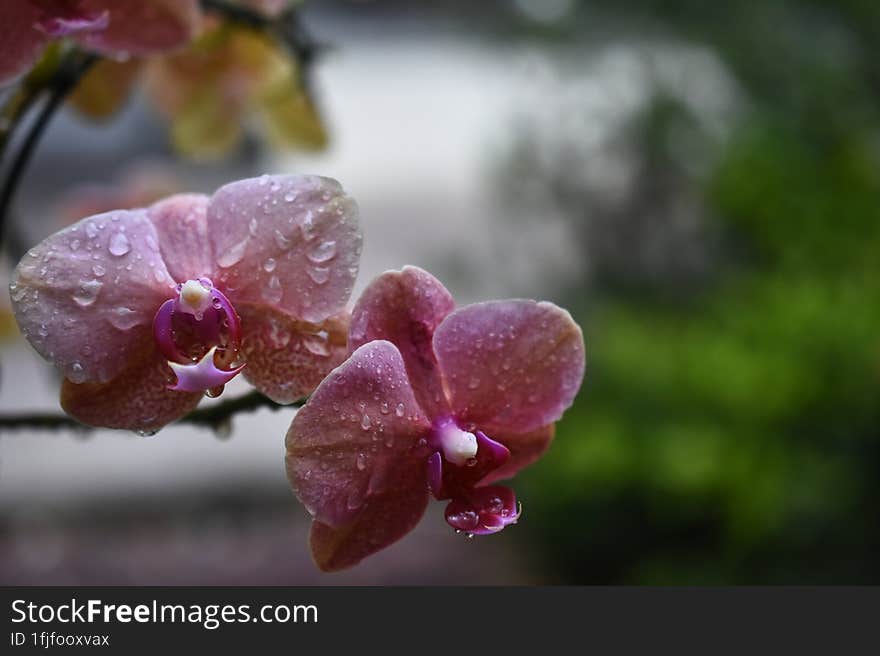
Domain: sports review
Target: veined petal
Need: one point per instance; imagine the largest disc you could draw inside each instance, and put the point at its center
(510, 366)
(288, 242)
(144, 27)
(384, 519)
(405, 307)
(182, 226)
(356, 436)
(287, 359)
(525, 448)
(136, 399)
(85, 294)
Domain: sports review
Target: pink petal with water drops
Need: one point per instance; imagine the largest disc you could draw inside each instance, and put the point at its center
(385, 518)
(486, 510)
(405, 307)
(182, 228)
(22, 43)
(286, 242)
(510, 366)
(525, 448)
(359, 432)
(142, 28)
(137, 399)
(287, 359)
(85, 294)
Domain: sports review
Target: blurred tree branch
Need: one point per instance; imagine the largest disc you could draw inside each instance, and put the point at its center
(59, 84)
(216, 417)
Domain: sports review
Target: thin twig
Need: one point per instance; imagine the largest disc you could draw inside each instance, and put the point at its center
(216, 417)
(66, 79)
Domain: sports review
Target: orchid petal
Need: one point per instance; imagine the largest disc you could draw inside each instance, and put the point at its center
(525, 448)
(182, 227)
(137, 399)
(510, 366)
(359, 431)
(385, 518)
(68, 22)
(142, 28)
(22, 43)
(86, 293)
(405, 307)
(287, 242)
(484, 511)
(287, 359)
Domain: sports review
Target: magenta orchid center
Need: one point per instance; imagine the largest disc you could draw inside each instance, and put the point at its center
(460, 458)
(199, 333)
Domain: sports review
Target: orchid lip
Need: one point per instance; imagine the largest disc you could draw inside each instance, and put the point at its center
(202, 375)
(209, 321)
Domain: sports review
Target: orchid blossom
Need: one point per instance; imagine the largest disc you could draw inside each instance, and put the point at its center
(115, 29)
(433, 400)
(146, 310)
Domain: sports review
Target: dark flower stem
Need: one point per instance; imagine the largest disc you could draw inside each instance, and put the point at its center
(63, 82)
(215, 417)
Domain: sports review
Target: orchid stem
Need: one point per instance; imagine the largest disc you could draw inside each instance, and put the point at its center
(216, 417)
(65, 80)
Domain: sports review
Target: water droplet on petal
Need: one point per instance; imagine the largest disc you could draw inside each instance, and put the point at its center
(124, 318)
(473, 383)
(323, 252)
(233, 254)
(319, 275)
(281, 240)
(252, 227)
(119, 244)
(366, 423)
(317, 344)
(273, 292)
(87, 292)
(269, 265)
(361, 462)
(400, 410)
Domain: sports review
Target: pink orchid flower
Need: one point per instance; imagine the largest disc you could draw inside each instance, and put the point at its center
(145, 310)
(434, 400)
(113, 28)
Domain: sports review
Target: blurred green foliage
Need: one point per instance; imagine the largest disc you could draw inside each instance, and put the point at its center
(732, 435)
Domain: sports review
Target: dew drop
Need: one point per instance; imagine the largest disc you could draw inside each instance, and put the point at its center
(233, 254)
(119, 244)
(124, 318)
(361, 462)
(87, 292)
(400, 409)
(76, 374)
(317, 344)
(323, 252)
(319, 275)
(307, 226)
(269, 265)
(74, 245)
(252, 227)
(384, 409)
(366, 423)
(273, 292)
(282, 241)
(473, 383)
